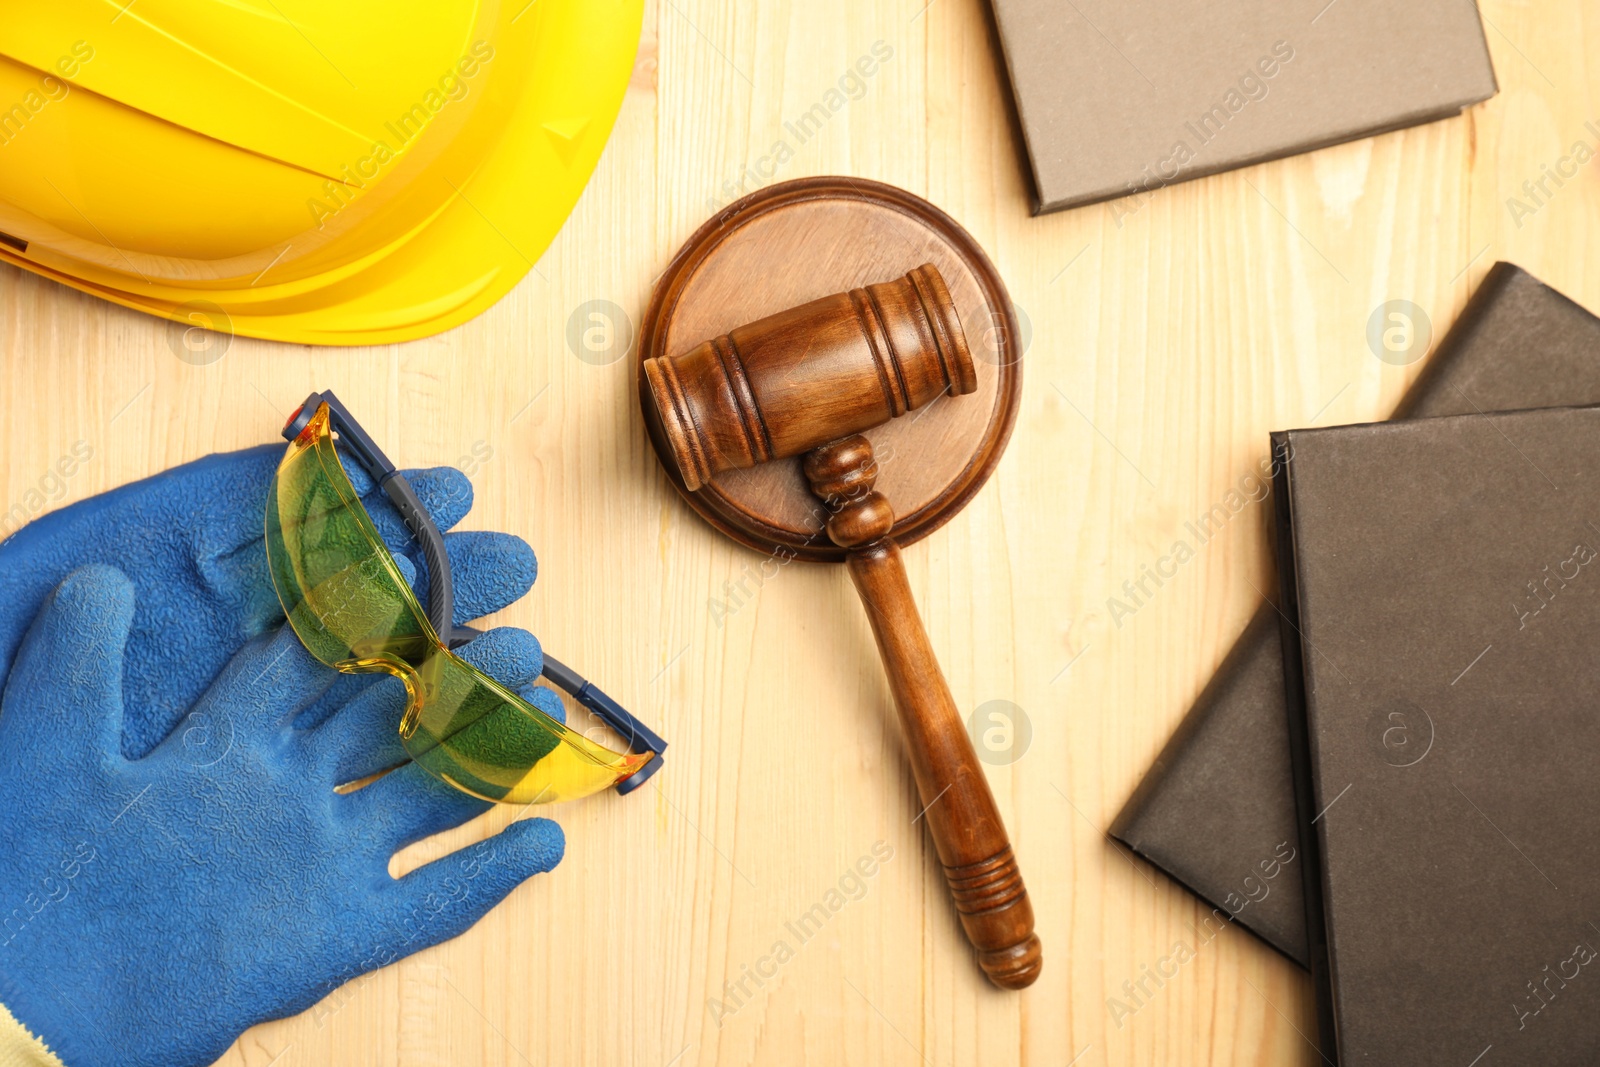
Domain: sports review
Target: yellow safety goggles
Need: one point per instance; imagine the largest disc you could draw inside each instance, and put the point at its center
(353, 610)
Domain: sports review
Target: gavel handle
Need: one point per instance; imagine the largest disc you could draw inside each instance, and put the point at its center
(968, 833)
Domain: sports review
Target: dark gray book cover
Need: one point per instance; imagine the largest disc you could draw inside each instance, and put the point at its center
(1119, 99)
(1440, 585)
(1218, 802)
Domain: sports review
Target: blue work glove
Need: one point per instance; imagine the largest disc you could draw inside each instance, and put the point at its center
(170, 902)
(190, 539)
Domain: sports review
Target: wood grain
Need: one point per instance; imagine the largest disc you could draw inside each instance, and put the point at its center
(1163, 350)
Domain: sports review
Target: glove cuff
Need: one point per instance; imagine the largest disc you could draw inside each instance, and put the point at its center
(20, 1048)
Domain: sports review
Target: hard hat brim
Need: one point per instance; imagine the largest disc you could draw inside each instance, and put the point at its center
(494, 224)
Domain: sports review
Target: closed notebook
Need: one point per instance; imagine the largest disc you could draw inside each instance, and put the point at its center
(1441, 578)
(1121, 99)
(1218, 802)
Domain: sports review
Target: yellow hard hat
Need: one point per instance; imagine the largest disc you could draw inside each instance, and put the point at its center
(352, 172)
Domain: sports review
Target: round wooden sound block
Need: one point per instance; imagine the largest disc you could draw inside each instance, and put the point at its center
(795, 242)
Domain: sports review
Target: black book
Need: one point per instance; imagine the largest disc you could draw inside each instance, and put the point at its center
(1440, 587)
(1218, 802)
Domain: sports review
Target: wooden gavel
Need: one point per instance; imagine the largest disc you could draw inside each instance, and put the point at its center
(808, 381)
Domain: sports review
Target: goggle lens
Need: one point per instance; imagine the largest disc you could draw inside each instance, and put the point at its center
(349, 604)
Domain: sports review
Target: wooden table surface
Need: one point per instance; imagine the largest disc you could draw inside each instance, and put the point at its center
(1165, 345)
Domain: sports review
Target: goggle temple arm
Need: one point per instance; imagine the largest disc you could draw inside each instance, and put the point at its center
(640, 737)
(441, 590)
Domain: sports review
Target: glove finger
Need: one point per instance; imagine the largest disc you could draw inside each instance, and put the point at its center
(444, 491)
(405, 806)
(346, 689)
(65, 690)
(545, 699)
(491, 571)
(362, 737)
(443, 899)
(409, 804)
(507, 654)
(267, 683)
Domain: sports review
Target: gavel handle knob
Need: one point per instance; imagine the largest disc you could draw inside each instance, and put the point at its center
(965, 822)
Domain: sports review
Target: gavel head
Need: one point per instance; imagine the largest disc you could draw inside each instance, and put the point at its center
(783, 385)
